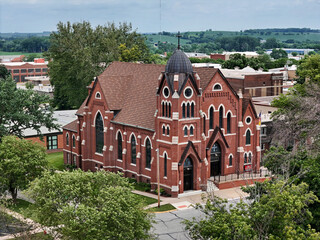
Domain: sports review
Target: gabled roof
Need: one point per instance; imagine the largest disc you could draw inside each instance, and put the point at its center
(185, 152)
(73, 126)
(245, 103)
(131, 88)
(217, 131)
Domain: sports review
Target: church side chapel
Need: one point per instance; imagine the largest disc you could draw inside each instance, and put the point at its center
(189, 118)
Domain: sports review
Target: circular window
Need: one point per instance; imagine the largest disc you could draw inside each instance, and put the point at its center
(248, 120)
(188, 92)
(166, 92)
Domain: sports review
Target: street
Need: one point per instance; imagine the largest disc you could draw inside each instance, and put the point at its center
(169, 225)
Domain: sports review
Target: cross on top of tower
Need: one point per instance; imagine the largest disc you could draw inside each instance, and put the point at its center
(179, 36)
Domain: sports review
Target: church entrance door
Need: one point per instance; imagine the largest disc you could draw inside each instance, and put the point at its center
(188, 174)
(215, 160)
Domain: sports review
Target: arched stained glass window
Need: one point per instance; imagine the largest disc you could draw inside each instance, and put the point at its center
(188, 110)
(183, 110)
(133, 150)
(221, 117)
(248, 137)
(211, 118)
(185, 131)
(165, 164)
(119, 146)
(192, 109)
(73, 141)
(99, 133)
(148, 153)
(191, 130)
(229, 123)
(67, 139)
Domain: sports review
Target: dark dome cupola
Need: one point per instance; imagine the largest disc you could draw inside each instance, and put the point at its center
(179, 63)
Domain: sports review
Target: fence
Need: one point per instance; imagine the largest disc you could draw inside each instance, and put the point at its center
(242, 176)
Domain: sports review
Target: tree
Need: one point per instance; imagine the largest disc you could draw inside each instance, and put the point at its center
(80, 52)
(309, 69)
(278, 53)
(22, 109)
(87, 205)
(21, 161)
(271, 43)
(280, 212)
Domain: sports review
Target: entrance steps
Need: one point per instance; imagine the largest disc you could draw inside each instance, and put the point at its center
(211, 187)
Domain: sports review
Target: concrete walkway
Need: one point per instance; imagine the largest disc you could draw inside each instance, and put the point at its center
(33, 226)
(190, 198)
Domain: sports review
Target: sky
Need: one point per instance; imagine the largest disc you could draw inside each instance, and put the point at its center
(147, 16)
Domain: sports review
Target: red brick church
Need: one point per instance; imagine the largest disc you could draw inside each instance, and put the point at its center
(201, 126)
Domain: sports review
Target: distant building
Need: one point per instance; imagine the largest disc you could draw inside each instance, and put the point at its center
(197, 55)
(255, 83)
(300, 51)
(20, 70)
(226, 55)
(53, 140)
(41, 84)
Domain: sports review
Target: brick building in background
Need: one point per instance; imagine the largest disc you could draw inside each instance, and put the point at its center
(20, 70)
(190, 119)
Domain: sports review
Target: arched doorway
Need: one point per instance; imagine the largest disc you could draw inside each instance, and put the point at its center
(215, 160)
(188, 174)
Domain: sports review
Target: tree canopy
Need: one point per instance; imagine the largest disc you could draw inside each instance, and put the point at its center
(280, 212)
(22, 109)
(21, 161)
(80, 52)
(87, 205)
(309, 69)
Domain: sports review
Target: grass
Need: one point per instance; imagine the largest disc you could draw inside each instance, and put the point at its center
(56, 161)
(23, 207)
(15, 53)
(146, 200)
(162, 208)
(37, 236)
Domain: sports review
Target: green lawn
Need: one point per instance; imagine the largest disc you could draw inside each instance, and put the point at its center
(23, 207)
(146, 200)
(37, 236)
(15, 53)
(162, 208)
(56, 161)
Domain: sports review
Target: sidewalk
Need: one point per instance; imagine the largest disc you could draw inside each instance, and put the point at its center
(184, 202)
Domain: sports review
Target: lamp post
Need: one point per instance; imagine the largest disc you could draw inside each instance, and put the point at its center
(158, 176)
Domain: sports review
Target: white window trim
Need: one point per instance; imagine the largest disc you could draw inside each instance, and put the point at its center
(217, 90)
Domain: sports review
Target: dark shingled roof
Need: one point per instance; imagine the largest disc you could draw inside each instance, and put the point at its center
(73, 126)
(179, 63)
(131, 88)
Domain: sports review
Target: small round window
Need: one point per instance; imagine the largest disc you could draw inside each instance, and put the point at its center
(248, 120)
(166, 92)
(188, 92)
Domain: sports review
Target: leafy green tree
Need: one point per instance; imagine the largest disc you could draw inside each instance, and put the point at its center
(236, 60)
(21, 161)
(278, 53)
(22, 109)
(309, 69)
(80, 52)
(279, 212)
(271, 43)
(87, 205)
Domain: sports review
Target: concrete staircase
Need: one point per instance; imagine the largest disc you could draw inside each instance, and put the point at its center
(211, 187)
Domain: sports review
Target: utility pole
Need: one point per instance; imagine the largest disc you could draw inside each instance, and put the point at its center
(158, 176)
